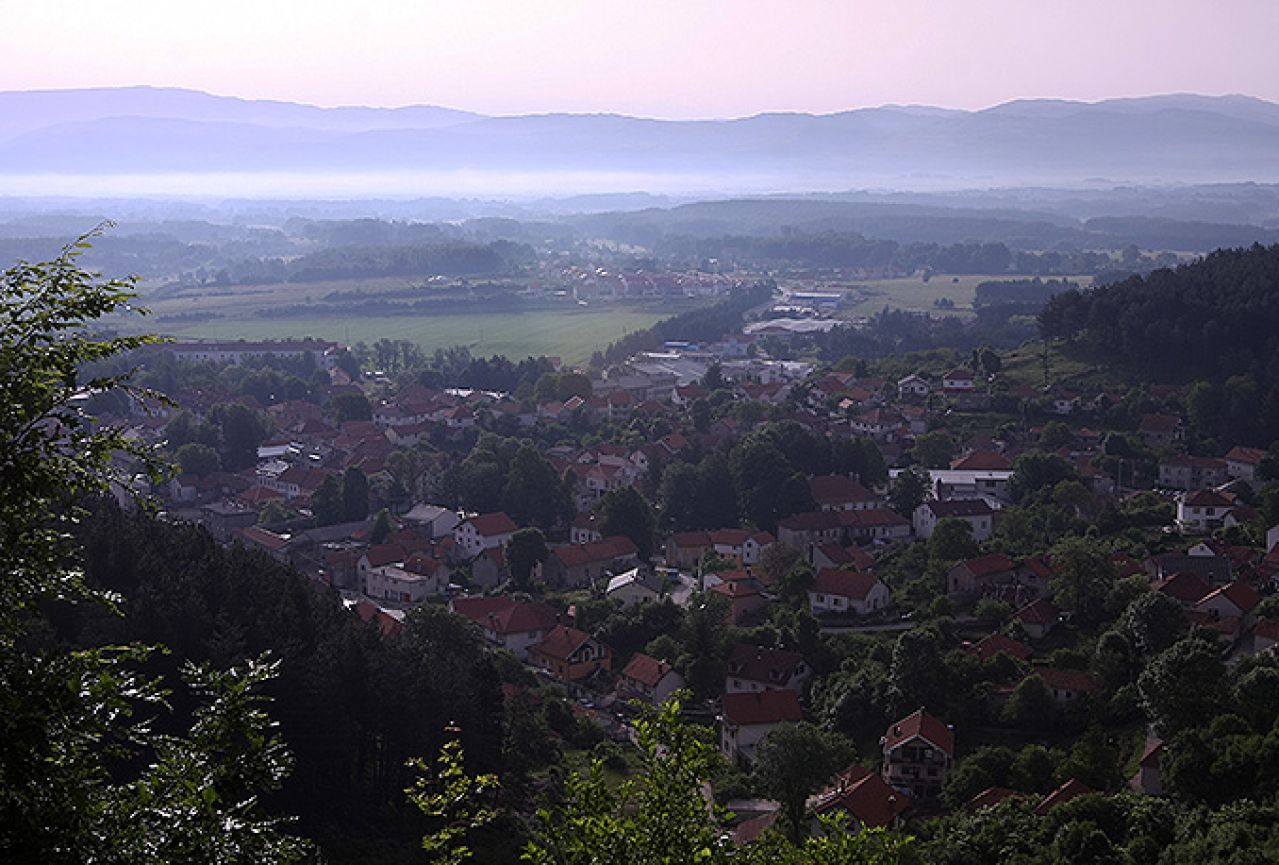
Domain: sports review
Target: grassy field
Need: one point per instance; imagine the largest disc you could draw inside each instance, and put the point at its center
(571, 332)
(912, 292)
(572, 335)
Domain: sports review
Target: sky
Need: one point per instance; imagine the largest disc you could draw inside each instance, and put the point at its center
(653, 58)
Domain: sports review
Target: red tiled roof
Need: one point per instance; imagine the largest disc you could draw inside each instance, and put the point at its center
(763, 707)
(1066, 680)
(1207, 499)
(982, 461)
(646, 670)
(1243, 596)
(1183, 586)
(864, 795)
(984, 566)
(959, 508)
(924, 726)
(832, 581)
(262, 537)
(561, 642)
(855, 556)
(690, 539)
(1040, 612)
(1159, 423)
(1072, 789)
(384, 554)
(1250, 456)
(990, 646)
(836, 489)
(493, 524)
(991, 797)
(370, 612)
(773, 666)
(613, 547)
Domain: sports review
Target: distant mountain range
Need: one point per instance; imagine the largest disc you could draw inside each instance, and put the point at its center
(1160, 139)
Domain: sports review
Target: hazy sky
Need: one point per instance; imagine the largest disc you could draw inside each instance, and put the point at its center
(662, 58)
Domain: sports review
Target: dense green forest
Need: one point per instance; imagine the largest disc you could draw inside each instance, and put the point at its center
(1215, 320)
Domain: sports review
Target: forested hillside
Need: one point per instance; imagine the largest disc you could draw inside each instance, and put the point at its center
(1215, 320)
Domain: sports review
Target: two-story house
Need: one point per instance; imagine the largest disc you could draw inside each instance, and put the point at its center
(648, 679)
(474, 535)
(570, 655)
(754, 669)
(746, 718)
(837, 591)
(918, 752)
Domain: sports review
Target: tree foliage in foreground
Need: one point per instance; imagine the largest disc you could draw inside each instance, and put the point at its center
(663, 815)
(85, 775)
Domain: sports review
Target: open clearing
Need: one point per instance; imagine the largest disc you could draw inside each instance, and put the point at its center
(235, 312)
(912, 292)
(570, 334)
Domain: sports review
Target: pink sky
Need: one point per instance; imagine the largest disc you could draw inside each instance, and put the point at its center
(660, 58)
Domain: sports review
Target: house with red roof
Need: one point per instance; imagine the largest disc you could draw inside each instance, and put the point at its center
(1066, 686)
(746, 718)
(1242, 463)
(851, 558)
(1265, 635)
(274, 545)
(918, 752)
(476, 534)
(513, 625)
(1185, 587)
(958, 381)
(752, 669)
(982, 461)
(1204, 510)
(578, 565)
(972, 578)
(685, 549)
(975, 512)
(746, 600)
(1149, 778)
(840, 493)
(1072, 789)
(990, 797)
(990, 646)
(837, 591)
(648, 679)
(1233, 600)
(1160, 430)
(740, 546)
(570, 655)
(371, 613)
(1038, 618)
(865, 797)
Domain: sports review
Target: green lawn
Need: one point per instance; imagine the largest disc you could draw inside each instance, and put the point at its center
(233, 312)
(570, 334)
(912, 292)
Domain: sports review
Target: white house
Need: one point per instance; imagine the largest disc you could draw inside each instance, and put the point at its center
(913, 387)
(474, 535)
(648, 679)
(1203, 510)
(634, 587)
(440, 522)
(749, 717)
(975, 512)
(836, 591)
(753, 668)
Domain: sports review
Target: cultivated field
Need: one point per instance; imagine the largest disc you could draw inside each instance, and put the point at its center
(570, 334)
(912, 292)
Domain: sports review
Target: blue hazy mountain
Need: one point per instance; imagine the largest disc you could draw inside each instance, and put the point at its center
(1165, 139)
